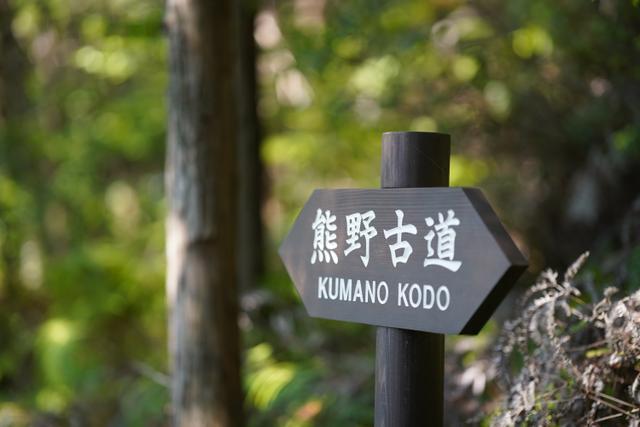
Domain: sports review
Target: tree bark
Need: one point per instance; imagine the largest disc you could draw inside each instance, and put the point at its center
(202, 209)
(13, 108)
(250, 233)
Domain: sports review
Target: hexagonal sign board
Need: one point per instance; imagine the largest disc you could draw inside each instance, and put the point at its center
(428, 259)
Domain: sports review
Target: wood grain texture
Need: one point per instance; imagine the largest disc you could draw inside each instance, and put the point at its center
(252, 177)
(489, 259)
(414, 159)
(410, 364)
(202, 209)
(409, 378)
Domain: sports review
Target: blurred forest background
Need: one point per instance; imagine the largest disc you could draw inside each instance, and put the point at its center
(542, 100)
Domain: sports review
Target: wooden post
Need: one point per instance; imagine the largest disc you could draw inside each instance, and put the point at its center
(410, 364)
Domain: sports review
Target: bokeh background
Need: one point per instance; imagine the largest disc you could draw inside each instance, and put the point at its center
(542, 100)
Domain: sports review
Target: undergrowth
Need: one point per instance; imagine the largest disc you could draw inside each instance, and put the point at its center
(568, 361)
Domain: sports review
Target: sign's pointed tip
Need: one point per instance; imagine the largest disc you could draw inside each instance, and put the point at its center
(507, 245)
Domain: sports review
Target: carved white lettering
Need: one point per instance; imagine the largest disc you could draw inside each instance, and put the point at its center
(415, 295)
(345, 290)
(402, 296)
(383, 285)
(357, 292)
(443, 290)
(428, 297)
(425, 296)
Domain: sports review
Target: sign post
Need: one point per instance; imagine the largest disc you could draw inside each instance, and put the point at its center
(410, 364)
(417, 262)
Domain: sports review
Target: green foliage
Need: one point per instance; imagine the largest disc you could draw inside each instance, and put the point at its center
(81, 216)
(529, 104)
(540, 98)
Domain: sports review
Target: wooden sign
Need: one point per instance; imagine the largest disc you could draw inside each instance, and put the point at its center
(428, 259)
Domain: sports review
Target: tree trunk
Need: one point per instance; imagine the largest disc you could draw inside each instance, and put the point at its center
(13, 107)
(250, 243)
(202, 209)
